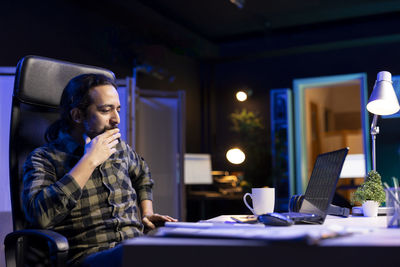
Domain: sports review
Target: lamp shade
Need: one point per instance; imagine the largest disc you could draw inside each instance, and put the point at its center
(383, 100)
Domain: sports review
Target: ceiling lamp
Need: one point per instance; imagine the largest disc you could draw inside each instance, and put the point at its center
(241, 96)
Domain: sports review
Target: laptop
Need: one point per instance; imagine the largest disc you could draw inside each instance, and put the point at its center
(320, 190)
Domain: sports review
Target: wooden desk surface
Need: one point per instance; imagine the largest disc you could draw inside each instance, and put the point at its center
(365, 231)
(213, 195)
(372, 245)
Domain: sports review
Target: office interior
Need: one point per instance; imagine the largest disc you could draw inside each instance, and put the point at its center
(209, 50)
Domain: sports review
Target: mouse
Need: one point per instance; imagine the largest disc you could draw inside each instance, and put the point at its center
(275, 219)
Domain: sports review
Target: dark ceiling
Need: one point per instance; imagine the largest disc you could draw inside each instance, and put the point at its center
(222, 20)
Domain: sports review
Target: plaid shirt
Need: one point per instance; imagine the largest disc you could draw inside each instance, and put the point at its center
(97, 217)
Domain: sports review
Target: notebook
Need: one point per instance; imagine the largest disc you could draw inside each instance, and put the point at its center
(321, 188)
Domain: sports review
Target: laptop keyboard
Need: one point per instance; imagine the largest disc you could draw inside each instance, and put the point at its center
(298, 215)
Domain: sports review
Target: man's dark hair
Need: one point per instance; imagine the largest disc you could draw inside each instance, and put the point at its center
(75, 95)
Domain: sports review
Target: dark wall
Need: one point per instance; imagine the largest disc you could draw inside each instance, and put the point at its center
(274, 61)
(110, 35)
(57, 30)
(178, 72)
(117, 36)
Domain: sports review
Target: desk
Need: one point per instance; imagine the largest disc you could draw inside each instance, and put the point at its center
(206, 204)
(379, 247)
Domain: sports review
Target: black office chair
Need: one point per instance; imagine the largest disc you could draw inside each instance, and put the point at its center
(38, 86)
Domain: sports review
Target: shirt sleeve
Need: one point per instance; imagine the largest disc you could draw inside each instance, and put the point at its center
(140, 176)
(46, 199)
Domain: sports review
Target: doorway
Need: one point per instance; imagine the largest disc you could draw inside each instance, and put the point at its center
(329, 114)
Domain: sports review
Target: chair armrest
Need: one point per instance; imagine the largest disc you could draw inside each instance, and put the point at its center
(57, 245)
(56, 241)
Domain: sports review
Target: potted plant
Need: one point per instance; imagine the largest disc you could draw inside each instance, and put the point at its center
(251, 133)
(371, 194)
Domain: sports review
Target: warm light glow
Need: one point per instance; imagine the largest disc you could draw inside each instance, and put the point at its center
(382, 107)
(235, 156)
(241, 96)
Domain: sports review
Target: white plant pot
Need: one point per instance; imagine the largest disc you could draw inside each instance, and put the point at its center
(370, 208)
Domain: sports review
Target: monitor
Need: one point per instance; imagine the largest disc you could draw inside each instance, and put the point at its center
(354, 166)
(197, 169)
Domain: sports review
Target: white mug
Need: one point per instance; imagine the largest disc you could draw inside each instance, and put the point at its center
(263, 200)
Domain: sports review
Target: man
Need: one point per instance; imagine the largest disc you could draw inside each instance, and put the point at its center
(85, 183)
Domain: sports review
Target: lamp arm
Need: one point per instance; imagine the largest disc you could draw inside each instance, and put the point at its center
(374, 132)
(374, 127)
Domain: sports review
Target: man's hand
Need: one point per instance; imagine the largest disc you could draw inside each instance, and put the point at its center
(100, 148)
(97, 151)
(155, 220)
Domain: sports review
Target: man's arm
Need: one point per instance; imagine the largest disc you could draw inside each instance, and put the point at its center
(142, 182)
(48, 199)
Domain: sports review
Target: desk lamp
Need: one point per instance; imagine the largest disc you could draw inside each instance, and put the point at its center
(383, 101)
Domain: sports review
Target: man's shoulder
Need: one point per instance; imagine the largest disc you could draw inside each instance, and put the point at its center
(46, 150)
(42, 149)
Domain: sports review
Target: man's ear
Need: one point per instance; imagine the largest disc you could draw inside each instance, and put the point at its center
(76, 115)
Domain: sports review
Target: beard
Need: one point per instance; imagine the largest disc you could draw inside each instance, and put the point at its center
(92, 133)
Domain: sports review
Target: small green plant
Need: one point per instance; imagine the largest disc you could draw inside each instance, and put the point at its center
(247, 123)
(251, 134)
(371, 189)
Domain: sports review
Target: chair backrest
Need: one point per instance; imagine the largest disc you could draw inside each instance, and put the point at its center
(38, 86)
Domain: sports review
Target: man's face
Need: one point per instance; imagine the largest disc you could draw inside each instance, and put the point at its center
(103, 113)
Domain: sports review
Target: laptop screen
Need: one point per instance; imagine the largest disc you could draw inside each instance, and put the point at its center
(322, 184)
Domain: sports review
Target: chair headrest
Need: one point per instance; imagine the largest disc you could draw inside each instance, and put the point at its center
(41, 81)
